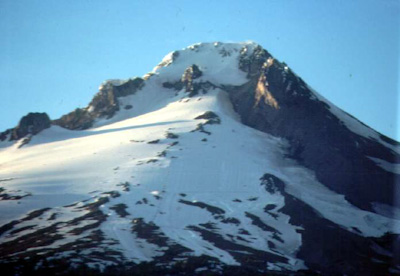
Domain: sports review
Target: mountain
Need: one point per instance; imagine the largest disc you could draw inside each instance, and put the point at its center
(220, 161)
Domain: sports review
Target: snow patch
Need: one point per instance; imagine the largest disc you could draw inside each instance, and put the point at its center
(387, 166)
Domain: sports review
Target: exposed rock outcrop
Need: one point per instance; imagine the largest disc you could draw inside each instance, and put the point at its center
(191, 73)
(210, 116)
(187, 82)
(32, 124)
(103, 105)
(251, 63)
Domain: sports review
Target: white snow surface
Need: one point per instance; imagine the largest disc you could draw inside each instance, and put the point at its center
(60, 167)
(217, 61)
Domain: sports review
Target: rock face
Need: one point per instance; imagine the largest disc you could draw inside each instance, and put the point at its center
(278, 102)
(191, 73)
(103, 105)
(32, 124)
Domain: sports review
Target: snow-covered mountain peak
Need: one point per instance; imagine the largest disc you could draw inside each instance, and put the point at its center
(222, 160)
(218, 61)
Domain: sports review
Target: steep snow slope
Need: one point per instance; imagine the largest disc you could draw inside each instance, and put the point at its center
(156, 182)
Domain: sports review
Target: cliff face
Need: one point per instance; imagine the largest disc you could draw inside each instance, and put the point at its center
(278, 102)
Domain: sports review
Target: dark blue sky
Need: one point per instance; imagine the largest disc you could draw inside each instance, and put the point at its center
(55, 54)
